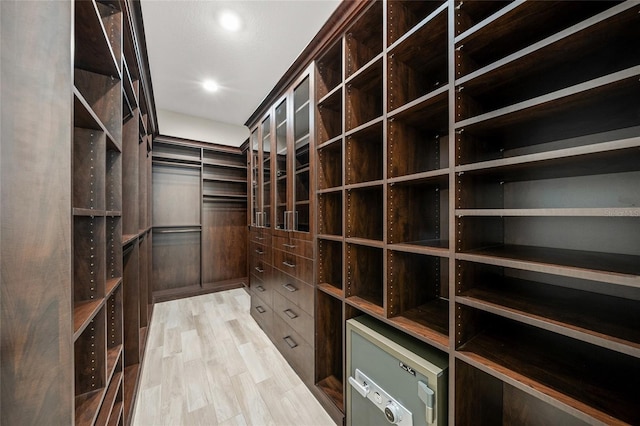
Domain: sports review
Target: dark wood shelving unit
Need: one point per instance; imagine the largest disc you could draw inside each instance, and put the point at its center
(477, 190)
(405, 15)
(329, 116)
(364, 202)
(198, 243)
(92, 192)
(363, 97)
(364, 39)
(418, 136)
(418, 64)
(563, 369)
(364, 155)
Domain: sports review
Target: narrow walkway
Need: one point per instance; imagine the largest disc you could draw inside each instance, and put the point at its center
(207, 362)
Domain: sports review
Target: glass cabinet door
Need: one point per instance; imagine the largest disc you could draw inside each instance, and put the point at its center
(301, 120)
(266, 172)
(282, 178)
(255, 175)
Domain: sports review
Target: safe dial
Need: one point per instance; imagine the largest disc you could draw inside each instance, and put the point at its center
(392, 412)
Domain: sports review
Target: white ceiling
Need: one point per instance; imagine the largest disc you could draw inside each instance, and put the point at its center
(187, 45)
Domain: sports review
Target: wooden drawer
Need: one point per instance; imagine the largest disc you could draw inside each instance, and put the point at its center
(260, 251)
(299, 267)
(262, 313)
(258, 266)
(295, 246)
(260, 235)
(300, 321)
(293, 289)
(295, 350)
(263, 284)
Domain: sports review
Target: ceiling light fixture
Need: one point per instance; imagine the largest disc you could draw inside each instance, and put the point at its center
(210, 86)
(230, 21)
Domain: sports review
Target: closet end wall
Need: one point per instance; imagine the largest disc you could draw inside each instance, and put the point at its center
(199, 218)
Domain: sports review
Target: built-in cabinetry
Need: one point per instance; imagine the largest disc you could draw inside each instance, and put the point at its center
(281, 255)
(199, 218)
(111, 165)
(79, 275)
(478, 174)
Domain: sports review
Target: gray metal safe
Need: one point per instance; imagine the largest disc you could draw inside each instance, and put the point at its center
(393, 378)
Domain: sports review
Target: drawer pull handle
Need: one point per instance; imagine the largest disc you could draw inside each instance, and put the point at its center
(259, 238)
(291, 246)
(259, 270)
(290, 313)
(289, 287)
(290, 265)
(259, 251)
(260, 309)
(260, 288)
(292, 343)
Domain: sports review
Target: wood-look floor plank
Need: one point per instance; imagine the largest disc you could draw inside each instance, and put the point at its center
(207, 362)
(253, 406)
(196, 385)
(225, 402)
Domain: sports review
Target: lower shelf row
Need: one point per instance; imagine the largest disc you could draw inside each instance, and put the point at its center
(515, 369)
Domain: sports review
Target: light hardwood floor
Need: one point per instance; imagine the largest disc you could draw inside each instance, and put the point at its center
(207, 362)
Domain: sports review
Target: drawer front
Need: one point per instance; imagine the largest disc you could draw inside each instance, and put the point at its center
(295, 290)
(262, 313)
(300, 321)
(259, 235)
(299, 267)
(295, 246)
(259, 267)
(260, 251)
(263, 284)
(295, 350)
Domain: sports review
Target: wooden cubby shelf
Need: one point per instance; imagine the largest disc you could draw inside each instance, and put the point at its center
(417, 295)
(470, 13)
(364, 216)
(329, 117)
(363, 98)
(417, 137)
(330, 263)
(330, 208)
(405, 15)
(600, 386)
(591, 311)
(486, 42)
(570, 111)
(407, 202)
(330, 165)
(364, 40)
(418, 64)
(90, 369)
(97, 43)
(329, 348)
(364, 282)
(364, 155)
(329, 70)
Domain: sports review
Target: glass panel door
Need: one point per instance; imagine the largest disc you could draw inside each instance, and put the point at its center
(301, 145)
(282, 178)
(255, 176)
(266, 172)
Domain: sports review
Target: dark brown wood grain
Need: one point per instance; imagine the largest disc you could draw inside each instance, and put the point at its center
(403, 15)
(330, 213)
(224, 242)
(364, 155)
(364, 216)
(364, 38)
(131, 306)
(486, 405)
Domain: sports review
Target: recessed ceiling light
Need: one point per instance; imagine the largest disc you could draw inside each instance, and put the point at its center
(230, 21)
(210, 86)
